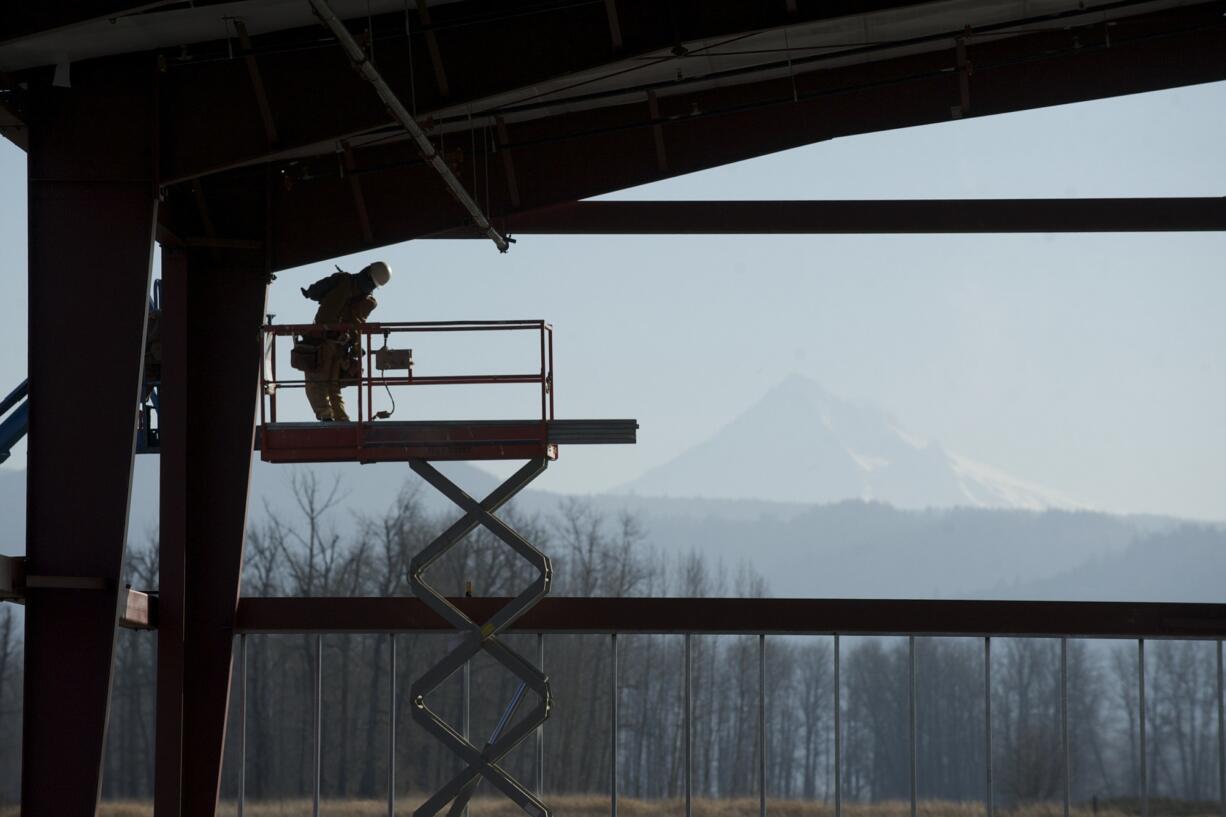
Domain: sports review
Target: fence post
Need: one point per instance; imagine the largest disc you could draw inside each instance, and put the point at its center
(540, 730)
(466, 709)
(688, 733)
(613, 729)
(1064, 740)
(391, 727)
(987, 721)
(1221, 736)
(1141, 706)
(838, 733)
(242, 724)
(317, 772)
(762, 725)
(913, 729)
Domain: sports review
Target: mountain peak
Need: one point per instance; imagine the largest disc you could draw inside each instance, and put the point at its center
(801, 443)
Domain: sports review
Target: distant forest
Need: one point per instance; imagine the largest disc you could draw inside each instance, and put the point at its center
(599, 554)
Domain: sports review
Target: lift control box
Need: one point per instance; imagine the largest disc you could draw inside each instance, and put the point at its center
(388, 359)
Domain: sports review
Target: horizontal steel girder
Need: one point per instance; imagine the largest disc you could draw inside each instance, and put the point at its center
(553, 159)
(730, 616)
(891, 216)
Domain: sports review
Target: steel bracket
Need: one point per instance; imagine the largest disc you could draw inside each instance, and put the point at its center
(12, 578)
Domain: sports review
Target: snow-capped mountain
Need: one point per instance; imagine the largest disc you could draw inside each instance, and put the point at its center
(800, 443)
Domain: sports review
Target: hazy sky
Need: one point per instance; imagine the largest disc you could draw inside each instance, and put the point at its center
(1092, 364)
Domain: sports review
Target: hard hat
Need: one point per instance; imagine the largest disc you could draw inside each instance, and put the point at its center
(380, 273)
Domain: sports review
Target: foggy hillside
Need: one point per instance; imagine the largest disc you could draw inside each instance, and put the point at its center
(845, 549)
(857, 508)
(858, 549)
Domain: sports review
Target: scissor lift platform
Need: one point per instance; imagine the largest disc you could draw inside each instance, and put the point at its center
(399, 441)
(375, 437)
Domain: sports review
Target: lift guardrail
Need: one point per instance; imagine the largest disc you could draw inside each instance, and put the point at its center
(373, 435)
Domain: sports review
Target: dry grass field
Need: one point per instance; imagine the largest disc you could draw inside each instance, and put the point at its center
(589, 806)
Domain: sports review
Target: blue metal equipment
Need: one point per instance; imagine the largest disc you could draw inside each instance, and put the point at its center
(13, 427)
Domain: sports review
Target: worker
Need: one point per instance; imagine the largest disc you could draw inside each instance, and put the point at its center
(344, 298)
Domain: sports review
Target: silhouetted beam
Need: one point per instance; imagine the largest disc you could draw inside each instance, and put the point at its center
(730, 616)
(92, 205)
(257, 83)
(213, 122)
(895, 216)
(554, 157)
(138, 610)
(20, 19)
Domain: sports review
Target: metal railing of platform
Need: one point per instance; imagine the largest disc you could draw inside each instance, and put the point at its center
(368, 380)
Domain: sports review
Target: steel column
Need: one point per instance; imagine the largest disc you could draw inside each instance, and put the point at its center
(92, 204)
(172, 531)
(215, 308)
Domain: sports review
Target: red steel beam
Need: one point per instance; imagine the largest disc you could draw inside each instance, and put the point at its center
(214, 309)
(518, 45)
(225, 299)
(729, 616)
(92, 209)
(864, 216)
(564, 159)
(172, 531)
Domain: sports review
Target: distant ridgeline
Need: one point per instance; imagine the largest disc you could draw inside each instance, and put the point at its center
(842, 549)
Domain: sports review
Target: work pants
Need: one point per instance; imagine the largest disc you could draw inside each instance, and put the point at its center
(323, 385)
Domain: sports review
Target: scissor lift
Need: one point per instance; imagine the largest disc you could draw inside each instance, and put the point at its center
(373, 437)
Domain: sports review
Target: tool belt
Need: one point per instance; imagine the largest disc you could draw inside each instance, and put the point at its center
(305, 355)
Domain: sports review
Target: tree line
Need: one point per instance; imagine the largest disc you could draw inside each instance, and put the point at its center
(602, 555)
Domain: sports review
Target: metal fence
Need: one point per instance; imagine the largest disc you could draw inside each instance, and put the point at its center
(836, 703)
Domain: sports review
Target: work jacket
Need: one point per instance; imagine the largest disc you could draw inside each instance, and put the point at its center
(341, 299)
